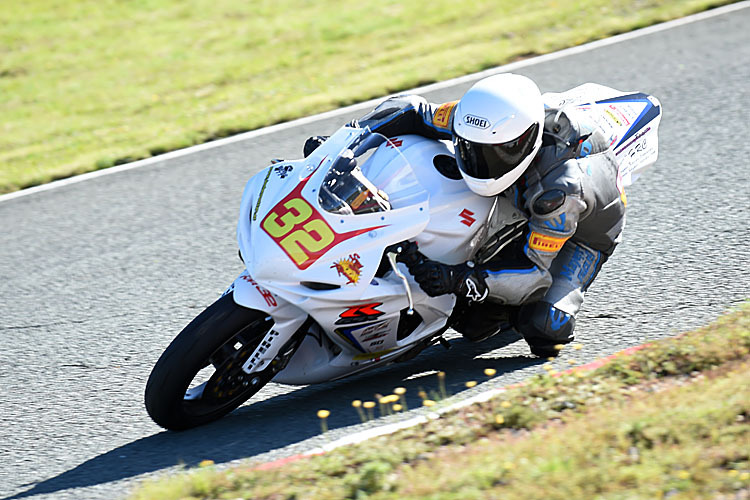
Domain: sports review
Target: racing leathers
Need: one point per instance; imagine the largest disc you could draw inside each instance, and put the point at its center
(533, 276)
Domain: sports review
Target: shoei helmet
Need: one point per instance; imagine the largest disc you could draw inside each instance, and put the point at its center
(497, 131)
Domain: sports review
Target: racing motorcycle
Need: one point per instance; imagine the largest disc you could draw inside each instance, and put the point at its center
(325, 293)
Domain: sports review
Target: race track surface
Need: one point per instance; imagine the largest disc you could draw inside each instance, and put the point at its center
(97, 277)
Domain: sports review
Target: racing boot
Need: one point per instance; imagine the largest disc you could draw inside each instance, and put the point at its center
(545, 327)
(479, 321)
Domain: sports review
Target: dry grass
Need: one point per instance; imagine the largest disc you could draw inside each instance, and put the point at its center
(93, 83)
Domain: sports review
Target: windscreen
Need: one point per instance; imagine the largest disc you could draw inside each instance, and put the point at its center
(346, 190)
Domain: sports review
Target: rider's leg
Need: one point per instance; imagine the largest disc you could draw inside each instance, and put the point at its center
(551, 321)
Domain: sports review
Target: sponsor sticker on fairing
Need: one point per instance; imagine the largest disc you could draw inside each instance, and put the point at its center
(350, 268)
(267, 295)
(360, 313)
(282, 170)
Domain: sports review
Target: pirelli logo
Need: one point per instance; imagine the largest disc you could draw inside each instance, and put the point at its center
(545, 243)
(442, 115)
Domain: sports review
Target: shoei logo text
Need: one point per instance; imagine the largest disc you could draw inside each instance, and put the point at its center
(476, 121)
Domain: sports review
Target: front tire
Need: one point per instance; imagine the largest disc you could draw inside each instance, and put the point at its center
(182, 392)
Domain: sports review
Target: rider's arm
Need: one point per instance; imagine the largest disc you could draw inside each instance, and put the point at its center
(521, 273)
(401, 115)
(410, 114)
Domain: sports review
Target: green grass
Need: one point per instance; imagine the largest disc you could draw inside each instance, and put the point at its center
(671, 420)
(94, 83)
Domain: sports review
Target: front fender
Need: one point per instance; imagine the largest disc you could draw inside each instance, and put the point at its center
(287, 319)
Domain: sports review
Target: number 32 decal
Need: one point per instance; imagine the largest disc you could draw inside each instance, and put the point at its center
(301, 231)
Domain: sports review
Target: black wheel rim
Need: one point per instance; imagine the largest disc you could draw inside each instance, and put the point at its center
(229, 386)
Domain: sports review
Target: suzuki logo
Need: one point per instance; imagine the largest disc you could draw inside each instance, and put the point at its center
(394, 143)
(476, 121)
(359, 314)
(466, 215)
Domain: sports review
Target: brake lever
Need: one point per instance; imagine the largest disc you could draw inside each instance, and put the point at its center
(392, 259)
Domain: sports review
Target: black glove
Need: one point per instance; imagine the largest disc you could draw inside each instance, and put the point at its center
(408, 253)
(313, 143)
(464, 280)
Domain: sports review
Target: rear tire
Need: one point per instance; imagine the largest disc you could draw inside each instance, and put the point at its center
(223, 337)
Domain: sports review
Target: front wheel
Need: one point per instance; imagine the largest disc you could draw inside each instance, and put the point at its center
(199, 378)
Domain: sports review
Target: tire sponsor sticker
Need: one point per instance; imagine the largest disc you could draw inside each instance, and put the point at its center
(544, 243)
(442, 115)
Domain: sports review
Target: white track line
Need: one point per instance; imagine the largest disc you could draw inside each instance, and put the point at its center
(383, 430)
(369, 104)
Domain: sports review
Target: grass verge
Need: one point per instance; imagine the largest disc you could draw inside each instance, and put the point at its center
(95, 83)
(669, 421)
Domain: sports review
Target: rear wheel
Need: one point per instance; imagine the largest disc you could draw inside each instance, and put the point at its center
(199, 378)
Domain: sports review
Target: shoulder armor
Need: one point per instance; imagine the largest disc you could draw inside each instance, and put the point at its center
(548, 202)
(547, 189)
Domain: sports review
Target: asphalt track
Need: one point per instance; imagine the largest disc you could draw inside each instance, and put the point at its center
(96, 277)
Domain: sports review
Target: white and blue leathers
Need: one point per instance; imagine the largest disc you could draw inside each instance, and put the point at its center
(575, 209)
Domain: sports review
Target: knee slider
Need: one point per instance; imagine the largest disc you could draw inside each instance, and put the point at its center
(543, 326)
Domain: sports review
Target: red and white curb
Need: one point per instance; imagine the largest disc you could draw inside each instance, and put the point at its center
(359, 437)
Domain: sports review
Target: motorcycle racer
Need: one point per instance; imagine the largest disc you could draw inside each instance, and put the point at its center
(561, 174)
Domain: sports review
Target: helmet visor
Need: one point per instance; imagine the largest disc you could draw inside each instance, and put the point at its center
(492, 161)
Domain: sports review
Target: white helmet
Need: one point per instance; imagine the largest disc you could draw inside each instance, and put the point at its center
(497, 131)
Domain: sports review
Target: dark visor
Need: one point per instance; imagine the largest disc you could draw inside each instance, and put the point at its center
(492, 161)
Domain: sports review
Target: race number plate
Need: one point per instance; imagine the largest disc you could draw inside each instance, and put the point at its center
(301, 232)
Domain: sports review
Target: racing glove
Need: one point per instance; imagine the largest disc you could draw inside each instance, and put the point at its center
(464, 280)
(314, 142)
(435, 278)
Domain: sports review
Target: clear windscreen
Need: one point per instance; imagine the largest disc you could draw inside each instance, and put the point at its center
(346, 190)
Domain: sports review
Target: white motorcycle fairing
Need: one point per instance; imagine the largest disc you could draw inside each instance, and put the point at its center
(305, 259)
(629, 119)
(324, 295)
